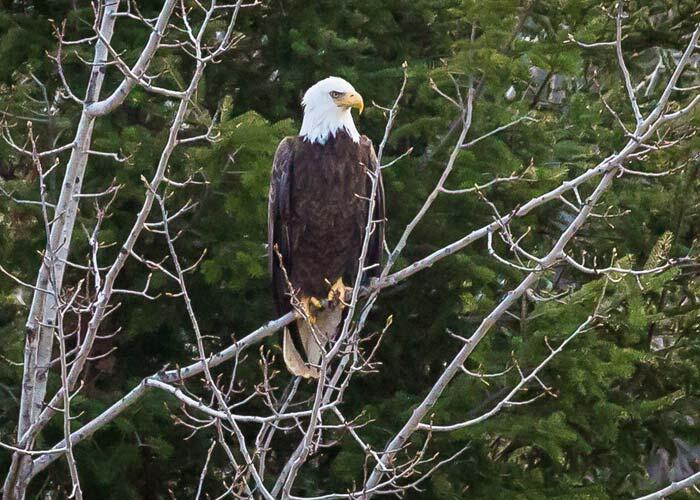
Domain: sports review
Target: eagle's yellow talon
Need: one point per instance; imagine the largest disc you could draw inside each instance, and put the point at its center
(338, 291)
(316, 303)
(306, 303)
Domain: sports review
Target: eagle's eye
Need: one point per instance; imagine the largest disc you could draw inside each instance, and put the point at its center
(335, 94)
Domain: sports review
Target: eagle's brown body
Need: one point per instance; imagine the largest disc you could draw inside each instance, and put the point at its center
(318, 209)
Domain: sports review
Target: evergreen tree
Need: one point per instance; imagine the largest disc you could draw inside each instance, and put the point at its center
(622, 393)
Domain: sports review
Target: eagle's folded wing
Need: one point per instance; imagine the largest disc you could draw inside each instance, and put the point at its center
(278, 213)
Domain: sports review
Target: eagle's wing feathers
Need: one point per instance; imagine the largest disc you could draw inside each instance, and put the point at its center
(376, 244)
(278, 213)
(278, 235)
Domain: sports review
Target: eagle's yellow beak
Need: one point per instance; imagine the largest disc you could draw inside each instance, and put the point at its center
(351, 100)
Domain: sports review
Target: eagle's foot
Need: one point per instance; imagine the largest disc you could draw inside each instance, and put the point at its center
(338, 292)
(307, 303)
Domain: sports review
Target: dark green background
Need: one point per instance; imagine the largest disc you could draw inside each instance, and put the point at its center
(618, 401)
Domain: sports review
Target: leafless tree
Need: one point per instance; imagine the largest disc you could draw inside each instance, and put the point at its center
(223, 410)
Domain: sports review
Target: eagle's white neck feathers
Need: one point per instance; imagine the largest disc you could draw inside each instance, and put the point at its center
(322, 117)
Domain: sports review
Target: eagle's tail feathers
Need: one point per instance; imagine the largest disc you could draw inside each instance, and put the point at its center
(293, 359)
(314, 338)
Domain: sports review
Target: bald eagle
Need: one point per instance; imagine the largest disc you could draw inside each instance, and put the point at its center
(317, 215)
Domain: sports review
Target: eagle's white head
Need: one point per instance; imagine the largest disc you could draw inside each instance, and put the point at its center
(327, 107)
